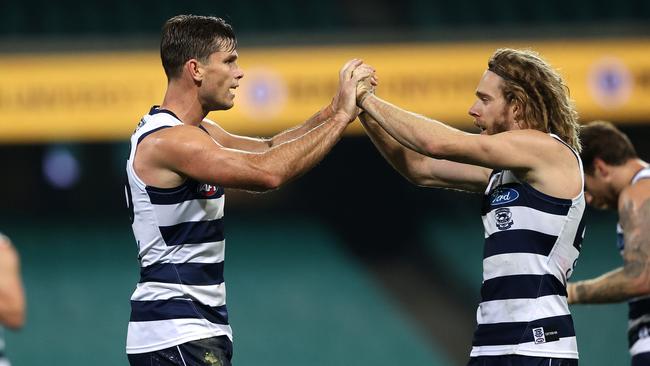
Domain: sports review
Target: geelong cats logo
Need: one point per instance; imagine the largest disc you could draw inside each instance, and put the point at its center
(504, 218)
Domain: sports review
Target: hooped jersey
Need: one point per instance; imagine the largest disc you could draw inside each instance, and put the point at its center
(532, 242)
(181, 294)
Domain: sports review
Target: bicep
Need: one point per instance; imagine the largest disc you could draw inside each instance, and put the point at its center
(512, 150)
(232, 141)
(194, 154)
(635, 221)
(450, 174)
(11, 291)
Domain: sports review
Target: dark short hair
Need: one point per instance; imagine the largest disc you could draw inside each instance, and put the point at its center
(185, 37)
(601, 139)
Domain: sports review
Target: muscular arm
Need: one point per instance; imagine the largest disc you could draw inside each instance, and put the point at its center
(633, 279)
(517, 149)
(174, 153)
(188, 151)
(423, 170)
(12, 297)
(253, 144)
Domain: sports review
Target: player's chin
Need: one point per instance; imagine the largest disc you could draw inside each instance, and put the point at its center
(225, 104)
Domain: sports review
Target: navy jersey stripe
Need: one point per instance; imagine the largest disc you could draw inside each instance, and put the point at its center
(639, 308)
(193, 232)
(142, 311)
(156, 109)
(521, 287)
(518, 241)
(198, 274)
(150, 132)
(577, 241)
(190, 190)
(527, 197)
(521, 332)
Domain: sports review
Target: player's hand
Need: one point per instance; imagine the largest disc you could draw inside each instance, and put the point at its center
(571, 293)
(366, 87)
(350, 75)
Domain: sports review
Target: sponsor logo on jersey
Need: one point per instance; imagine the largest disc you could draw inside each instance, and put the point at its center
(543, 336)
(503, 195)
(207, 190)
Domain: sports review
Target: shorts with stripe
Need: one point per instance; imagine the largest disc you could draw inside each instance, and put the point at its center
(641, 359)
(215, 351)
(520, 360)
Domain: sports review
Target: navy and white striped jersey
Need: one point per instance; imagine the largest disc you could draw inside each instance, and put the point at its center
(638, 332)
(532, 242)
(181, 295)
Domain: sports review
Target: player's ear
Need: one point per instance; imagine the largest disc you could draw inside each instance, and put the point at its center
(194, 69)
(601, 168)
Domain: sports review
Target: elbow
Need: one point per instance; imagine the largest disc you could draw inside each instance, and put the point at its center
(269, 182)
(414, 179)
(273, 182)
(435, 149)
(15, 320)
(641, 285)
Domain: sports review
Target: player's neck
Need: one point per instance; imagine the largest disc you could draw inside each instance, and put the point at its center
(627, 171)
(184, 102)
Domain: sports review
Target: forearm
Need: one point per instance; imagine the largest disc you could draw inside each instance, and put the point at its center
(294, 157)
(424, 170)
(611, 287)
(297, 131)
(259, 144)
(416, 132)
(395, 153)
(12, 312)
(12, 297)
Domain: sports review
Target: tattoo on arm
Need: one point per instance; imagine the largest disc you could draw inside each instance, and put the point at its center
(635, 222)
(633, 278)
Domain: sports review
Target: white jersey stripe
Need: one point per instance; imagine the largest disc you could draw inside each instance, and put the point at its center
(640, 346)
(211, 295)
(526, 218)
(519, 310)
(195, 210)
(514, 264)
(161, 334)
(198, 253)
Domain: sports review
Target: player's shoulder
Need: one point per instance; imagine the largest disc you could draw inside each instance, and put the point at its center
(173, 140)
(530, 136)
(635, 196)
(7, 250)
(639, 191)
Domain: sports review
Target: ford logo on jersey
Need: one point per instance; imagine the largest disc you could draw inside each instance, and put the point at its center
(503, 195)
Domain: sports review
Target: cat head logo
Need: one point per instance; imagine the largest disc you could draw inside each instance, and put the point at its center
(504, 218)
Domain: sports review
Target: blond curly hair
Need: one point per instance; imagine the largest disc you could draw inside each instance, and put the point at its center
(539, 91)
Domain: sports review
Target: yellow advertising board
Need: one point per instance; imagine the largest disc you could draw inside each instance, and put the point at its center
(102, 95)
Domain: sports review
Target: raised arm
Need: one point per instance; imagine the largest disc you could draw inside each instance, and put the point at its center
(517, 149)
(12, 297)
(177, 152)
(253, 144)
(633, 279)
(423, 170)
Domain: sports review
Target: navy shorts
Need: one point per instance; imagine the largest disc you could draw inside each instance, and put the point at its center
(641, 359)
(519, 360)
(215, 351)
